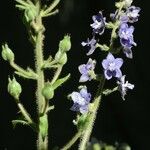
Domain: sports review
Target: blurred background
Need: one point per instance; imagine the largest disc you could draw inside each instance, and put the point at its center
(117, 120)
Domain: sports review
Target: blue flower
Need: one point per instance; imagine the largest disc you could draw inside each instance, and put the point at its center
(81, 100)
(112, 66)
(126, 38)
(87, 70)
(133, 14)
(99, 23)
(124, 86)
(91, 44)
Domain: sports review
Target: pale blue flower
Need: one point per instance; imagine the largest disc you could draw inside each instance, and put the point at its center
(91, 44)
(124, 86)
(133, 14)
(87, 70)
(126, 38)
(81, 100)
(112, 66)
(98, 24)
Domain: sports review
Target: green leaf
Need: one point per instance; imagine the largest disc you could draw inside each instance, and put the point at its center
(59, 82)
(15, 122)
(23, 3)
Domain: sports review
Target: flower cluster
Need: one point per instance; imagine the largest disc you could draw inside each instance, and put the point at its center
(121, 30)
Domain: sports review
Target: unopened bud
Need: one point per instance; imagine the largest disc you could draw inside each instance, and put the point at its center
(128, 3)
(30, 14)
(14, 88)
(7, 53)
(65, 44)
(48, 91)
(61, 57)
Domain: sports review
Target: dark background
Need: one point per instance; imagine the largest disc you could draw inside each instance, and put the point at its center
(117, 121)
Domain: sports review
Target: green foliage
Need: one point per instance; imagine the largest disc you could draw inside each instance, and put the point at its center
(59, 82)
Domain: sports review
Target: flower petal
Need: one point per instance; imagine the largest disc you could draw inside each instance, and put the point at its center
(84, 109)
(108, 76)
(110, 57)
(118, 62)
(105, 64)
(82, 69)
(84, 78)
(118, 73)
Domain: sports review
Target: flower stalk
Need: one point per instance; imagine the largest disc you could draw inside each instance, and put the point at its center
(96, 104)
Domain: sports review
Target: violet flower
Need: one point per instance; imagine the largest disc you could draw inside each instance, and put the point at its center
(81, 100)
(87, 70)
(91, 44)
(112, 66)
(133, 14)
(124, 86)
(99, 23)
(126, 38)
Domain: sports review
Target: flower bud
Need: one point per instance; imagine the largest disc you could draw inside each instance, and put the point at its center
(65, 44)
(30, 14)
(128, 3)
(48, 91)
(14, 88)
(61, 57)
(7, 53)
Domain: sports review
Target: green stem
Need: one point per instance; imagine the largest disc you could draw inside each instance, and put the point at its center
(115, 27)
(42, 142)
(23, 72)
(87, 132)
(72, 141)
(56, 75)
(24, 113)
(51, 7)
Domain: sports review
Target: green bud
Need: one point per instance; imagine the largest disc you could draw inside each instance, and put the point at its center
(61, 57)
(30, 14)
(96, 146)
(14, 88)
(7, 53)
(118, 4)
(48, 91)
(65, 44)
(127, 3)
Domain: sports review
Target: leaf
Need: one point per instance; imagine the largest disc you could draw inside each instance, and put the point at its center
(23, 3)
(59, 82)
(15, 122)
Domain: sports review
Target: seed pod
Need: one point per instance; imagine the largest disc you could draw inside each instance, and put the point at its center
(48, 91)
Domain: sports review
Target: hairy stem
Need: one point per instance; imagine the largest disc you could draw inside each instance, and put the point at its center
(24, 73)
(56, 75)
(42, 142)
(25, 113)
(87, 132)
(72, 141)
